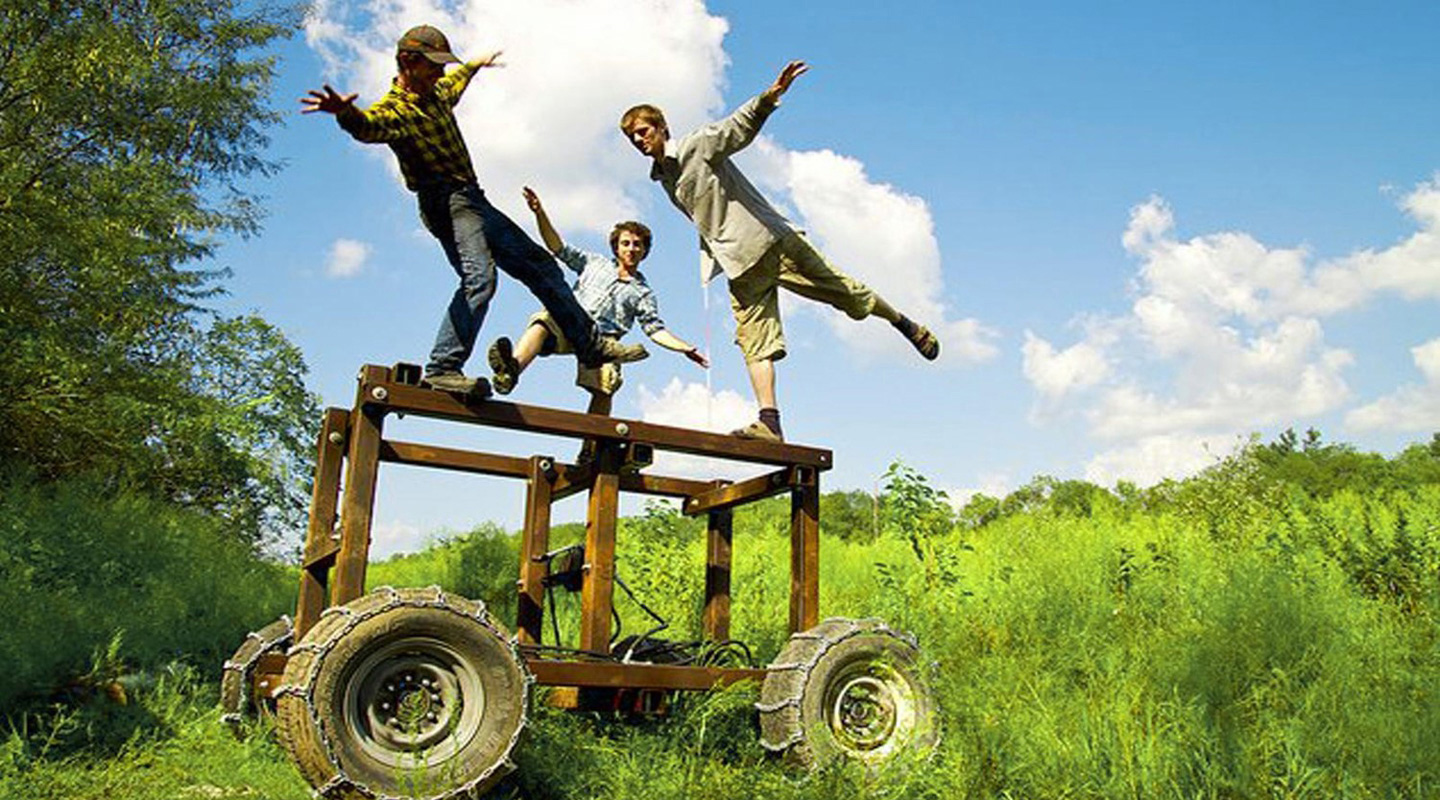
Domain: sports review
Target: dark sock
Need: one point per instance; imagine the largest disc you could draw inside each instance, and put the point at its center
(905, 325)
(771, 418)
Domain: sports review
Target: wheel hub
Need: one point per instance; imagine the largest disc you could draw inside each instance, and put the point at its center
(863, 714)
(412, 697)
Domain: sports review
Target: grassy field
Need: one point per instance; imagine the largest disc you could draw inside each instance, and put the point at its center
(1291, 652)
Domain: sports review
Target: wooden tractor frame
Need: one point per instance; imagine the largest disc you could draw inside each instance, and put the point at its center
(422, 693)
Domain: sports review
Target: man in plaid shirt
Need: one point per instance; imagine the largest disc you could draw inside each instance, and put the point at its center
(417, 120)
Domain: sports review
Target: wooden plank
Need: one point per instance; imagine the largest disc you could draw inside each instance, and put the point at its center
(536, 419)
(729, 495)
(358, 504)
(636, 676)
(425, 455)
(805, 554)
(716, 619)
(319, 535)
(573, 479)
(598, 587)
(530, 614)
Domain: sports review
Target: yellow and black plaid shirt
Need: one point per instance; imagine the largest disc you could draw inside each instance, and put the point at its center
(421, 130)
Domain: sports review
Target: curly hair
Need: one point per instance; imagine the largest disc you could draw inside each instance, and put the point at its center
(634, 227)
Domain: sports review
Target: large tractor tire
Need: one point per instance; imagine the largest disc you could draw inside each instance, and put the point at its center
(404, 693)
(847, 689)
(237, 683)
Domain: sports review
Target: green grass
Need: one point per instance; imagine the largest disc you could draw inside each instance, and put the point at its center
(1120, 655)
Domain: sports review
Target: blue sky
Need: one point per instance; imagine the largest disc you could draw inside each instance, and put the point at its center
(1143, 230)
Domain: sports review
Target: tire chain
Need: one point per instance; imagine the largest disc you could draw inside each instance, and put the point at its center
(233, 719)
(338, 783)
(781, 693)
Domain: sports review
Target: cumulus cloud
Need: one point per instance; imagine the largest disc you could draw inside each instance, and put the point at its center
(1224, 336)
(1409, 408)
(1056, 373)
(695, 406)
(392, 537)
(879, 235)
(347, 258)
(549, 117)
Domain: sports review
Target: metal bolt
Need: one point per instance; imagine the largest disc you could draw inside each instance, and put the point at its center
(622, 428)
(384, 706)
(435, 696)
(379, 393)
(335, 437)
(546, 464)
(390, 687)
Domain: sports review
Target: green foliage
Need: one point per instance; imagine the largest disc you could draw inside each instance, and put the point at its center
(480, 565)
(80, 566)
(126, 129)
(1146, 644)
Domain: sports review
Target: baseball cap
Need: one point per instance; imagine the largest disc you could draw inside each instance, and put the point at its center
(428, 41)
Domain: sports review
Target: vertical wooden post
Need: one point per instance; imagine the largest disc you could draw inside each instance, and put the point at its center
(358, 503)
(805, 551)
(324, 498)
(598, 589)
(717, 575)
(530, 615)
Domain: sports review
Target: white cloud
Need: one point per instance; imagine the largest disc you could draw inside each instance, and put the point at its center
(694, 406)
(1409, 408)
(1150, 459)
(395, 536)
(549, 119)
(879, 235)
(1225, 336)
(347, 258)
(1056, 373)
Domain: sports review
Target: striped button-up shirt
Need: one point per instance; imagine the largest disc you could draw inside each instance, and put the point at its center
(615, 305)
(420, 129)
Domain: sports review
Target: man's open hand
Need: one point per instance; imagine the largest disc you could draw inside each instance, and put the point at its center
(329, 101)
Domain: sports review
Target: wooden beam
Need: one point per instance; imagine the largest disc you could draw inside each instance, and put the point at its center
(320, 544)
(424, 455)
(358, 503)
(530, 613)
(536, 419)
(805, 554)
(716, 618)
(729, 495)
(636, 676)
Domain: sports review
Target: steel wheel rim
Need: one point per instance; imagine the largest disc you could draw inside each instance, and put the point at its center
(409, 698)
(870, 710)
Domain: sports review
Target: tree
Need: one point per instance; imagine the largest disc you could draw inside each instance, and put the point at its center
(126, 129)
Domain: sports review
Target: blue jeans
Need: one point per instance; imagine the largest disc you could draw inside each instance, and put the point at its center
(476, 237)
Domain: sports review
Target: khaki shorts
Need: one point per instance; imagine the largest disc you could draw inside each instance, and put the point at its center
(795, 264)
(604, 379)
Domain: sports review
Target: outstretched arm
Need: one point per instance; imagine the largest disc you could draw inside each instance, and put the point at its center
(670, 341)
(457, 81)
(547, 231)
(735, 132)
(328, 101)
(782, 82)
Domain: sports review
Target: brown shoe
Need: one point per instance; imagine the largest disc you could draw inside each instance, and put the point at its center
(925, 342)
(456, 383)
(506, 369)
(758, 431)
(610, 349)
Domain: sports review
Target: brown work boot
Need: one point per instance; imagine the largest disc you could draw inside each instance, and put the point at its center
(456, 383)
(506, 369)
(758, 431)
(610, 349)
